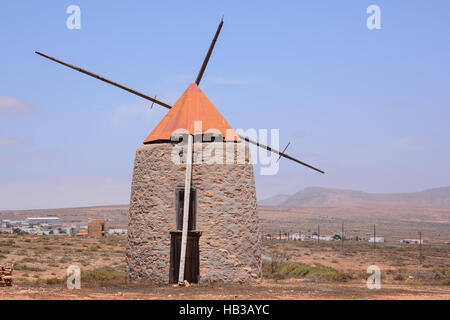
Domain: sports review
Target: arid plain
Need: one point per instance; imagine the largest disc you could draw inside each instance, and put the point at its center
(292, 269)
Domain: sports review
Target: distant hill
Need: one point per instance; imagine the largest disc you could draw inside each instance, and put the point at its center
(275, 200)
(325, 197)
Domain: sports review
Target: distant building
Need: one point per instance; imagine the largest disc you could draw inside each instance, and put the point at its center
(117, 231)
(42, 220)
(415, 241)
(82, 232)
(324, 238)
(96, 228)
(376, 239)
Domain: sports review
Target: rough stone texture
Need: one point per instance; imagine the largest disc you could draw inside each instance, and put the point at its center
(230, 248)
(6, 271)
(96, 228)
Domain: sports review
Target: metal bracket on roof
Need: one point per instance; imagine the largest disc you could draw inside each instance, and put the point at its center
(284, 150)
(153, 103)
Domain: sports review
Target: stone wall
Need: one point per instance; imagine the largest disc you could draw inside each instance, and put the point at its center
(230, 248)
(96, 228)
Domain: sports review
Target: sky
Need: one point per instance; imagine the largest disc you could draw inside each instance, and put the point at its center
(369, 107)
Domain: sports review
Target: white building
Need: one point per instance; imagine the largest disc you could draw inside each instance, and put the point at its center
(324, 238)
(117, 231)
(41, 220)
(376, 239)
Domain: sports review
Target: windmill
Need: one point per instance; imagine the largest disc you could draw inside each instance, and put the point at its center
(148, 258)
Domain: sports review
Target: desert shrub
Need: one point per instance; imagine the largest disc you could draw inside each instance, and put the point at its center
(24, 267)
(19, 232)
(9, 243)
(68, 251)
(446, 282)
(101, 275)
(93, 248)
(50, 281)
(399, 277)
(281, 269)
(54, 280)
(64, 260)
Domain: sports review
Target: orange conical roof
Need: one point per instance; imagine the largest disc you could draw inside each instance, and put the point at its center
(192, 106)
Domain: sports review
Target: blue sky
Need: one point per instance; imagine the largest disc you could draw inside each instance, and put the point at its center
(370, 107)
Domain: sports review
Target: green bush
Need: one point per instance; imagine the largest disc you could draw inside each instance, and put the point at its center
(24, 267)
(50, 281)
(101, 274)
(282, 269)
(93, 248)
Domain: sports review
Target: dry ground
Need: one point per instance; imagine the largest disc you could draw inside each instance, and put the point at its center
(264, 290)
(41, 263)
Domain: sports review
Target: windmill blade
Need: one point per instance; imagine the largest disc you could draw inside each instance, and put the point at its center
(279, 153)
(168, 106)
(106, 80)
(208, 55)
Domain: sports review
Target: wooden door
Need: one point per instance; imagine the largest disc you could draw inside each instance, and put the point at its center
(192, 264)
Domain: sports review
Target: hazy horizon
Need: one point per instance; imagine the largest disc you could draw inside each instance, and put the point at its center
(369, 107)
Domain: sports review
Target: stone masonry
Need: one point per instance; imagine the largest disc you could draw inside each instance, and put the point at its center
(230, 248)
(96, 228)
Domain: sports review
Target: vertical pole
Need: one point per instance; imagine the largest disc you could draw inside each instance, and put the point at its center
(420, 247)
(374, 236)
(280, 235)
(342, 236)
(318, 233)
(187, 192)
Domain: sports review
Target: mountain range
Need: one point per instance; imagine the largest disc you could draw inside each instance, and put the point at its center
(324, 197)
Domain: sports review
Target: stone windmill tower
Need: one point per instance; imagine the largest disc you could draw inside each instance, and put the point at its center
(222, 235)
(193, 205)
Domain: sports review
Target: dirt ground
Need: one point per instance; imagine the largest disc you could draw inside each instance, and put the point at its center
(264, 290)
(358, 255)
(41, 267)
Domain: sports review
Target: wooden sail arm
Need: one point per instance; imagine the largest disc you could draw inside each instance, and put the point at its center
(106, 80)
(154, 100)
(279, 153)
(208, 54)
